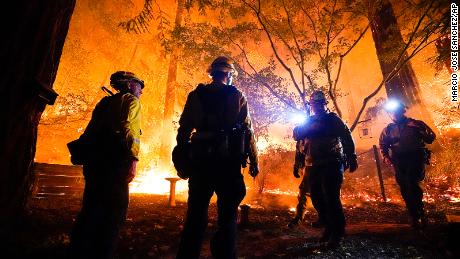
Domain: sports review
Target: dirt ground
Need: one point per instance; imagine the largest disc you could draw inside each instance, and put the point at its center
(152, 230)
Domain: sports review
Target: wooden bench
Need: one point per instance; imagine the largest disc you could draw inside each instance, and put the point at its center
(57, 180)
(453, 219)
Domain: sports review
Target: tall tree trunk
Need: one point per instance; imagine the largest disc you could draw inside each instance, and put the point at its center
(30, 50)
(170, 96)
(388, 39)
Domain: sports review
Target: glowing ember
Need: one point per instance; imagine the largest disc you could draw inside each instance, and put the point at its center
(453, 194)
(455, 125)
(292, 209)
(153, 182)
(428, 198)
(280, 192)
(362, 196)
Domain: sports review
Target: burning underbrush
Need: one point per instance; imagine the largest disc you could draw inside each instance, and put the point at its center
(441, 184)
(442, 181)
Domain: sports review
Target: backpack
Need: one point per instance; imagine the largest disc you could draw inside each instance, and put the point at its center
(216, 141)
(103, 145)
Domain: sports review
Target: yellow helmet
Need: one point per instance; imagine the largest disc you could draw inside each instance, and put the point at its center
(120, 79)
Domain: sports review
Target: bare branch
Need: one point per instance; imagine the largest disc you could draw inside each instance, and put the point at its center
(272, 44)
(346, 53)
(357, 40)
(313, 25)
(288, 102)
(302, 59)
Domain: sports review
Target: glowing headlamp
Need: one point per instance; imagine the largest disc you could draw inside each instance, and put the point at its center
(393, 105)
(298, 118)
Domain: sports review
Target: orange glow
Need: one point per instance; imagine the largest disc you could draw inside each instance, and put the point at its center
(96, 46)
(153, 182)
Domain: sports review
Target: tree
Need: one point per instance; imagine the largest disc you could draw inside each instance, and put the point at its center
(305, 58)
(30, 60)
(307, 52)
(426, 24)
(388, 38)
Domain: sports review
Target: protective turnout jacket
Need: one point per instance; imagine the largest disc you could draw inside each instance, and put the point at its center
(117, 117)
(212, 108)
(405, 136)
(328, 138)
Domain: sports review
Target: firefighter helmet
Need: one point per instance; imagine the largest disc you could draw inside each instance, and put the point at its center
(318, 97)
(222, 64)
(120, 79)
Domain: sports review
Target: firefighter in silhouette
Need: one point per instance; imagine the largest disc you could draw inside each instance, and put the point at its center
(222, 139)
(402, 144)
(112, 148)
(302, 166)
(332, 150)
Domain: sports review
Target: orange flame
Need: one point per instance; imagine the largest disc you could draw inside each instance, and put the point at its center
(154, 181)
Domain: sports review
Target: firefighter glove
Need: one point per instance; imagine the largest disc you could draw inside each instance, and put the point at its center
(131, 171)
(353, 162)
(253, 170)
(296, 172)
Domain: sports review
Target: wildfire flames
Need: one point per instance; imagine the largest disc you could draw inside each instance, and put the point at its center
(154, 181)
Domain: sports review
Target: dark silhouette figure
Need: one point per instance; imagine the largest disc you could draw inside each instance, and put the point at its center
(402, 144)
(332, 150)
(223, 137)
(302, 167)
(110, 154)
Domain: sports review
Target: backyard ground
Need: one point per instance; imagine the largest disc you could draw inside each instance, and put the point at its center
(152, 230)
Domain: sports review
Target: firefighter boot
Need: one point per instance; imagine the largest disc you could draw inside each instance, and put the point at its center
(294, 222)
(317, 224)
(300, 210)
(334, 242)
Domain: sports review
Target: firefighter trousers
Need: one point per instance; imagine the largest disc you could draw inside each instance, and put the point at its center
(325, 183)
(228, 184)
(103, 212)
(304, 194)
(410, 171)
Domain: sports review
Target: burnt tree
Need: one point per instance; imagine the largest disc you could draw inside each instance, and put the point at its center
(388, 40)
(32, 42)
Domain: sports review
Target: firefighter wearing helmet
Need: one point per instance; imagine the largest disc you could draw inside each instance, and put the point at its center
(214, 140)
(402, 144)
(110, 151)
(331, 151)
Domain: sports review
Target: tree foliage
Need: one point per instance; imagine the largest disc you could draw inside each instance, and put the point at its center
(287, 49)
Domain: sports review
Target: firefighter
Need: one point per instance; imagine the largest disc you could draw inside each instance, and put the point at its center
(112, 140)
(217, 114)
(402, 144)
(332, 150)
(302, 166)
